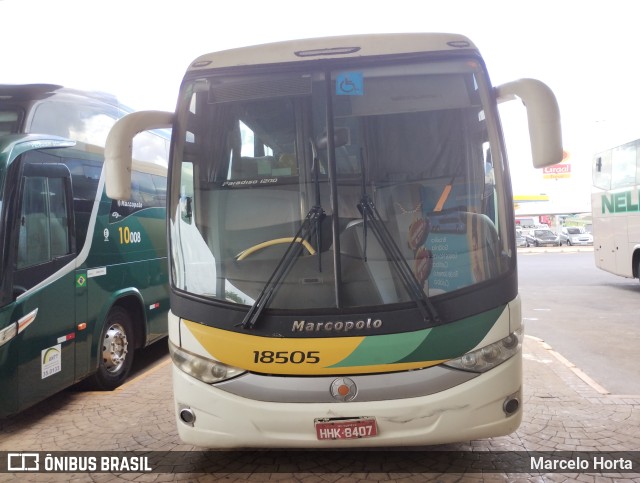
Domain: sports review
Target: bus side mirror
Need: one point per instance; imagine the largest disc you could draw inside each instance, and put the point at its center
(543, 116)
(118, 147)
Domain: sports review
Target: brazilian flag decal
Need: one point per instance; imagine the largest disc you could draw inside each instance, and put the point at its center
(81, 279)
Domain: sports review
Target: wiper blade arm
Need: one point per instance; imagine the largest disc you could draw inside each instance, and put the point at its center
(306, 230)
(369, 212)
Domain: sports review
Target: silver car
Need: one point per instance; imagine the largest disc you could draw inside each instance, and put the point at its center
(573, 235)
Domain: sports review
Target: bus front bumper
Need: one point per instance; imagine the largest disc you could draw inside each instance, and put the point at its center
(472, 410)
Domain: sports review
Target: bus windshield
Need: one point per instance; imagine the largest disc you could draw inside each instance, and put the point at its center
(56, 110)
(9, 121)
(366, 187)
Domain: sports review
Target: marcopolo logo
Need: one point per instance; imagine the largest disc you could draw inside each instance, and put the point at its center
(335, 326)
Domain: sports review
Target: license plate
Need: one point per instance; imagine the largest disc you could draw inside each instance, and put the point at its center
(352, 428)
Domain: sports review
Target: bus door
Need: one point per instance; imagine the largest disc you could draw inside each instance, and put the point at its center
(617, 244)
(44, 282)
(610, 242)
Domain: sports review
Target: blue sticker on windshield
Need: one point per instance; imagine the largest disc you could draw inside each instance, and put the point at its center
(350, 84)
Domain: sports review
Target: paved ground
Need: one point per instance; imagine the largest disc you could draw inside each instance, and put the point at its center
(564, 411)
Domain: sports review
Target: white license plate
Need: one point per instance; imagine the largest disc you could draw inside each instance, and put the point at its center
(352, 428)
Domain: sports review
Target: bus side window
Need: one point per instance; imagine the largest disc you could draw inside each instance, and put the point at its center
(85, 176)
(602, 170)
(148, 190)
(151, 147)
(623, 166)
(44, 232)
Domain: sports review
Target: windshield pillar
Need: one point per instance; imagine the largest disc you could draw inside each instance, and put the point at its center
(333, 191)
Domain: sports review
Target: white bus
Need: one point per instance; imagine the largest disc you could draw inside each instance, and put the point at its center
(341, 229)
(615, 206)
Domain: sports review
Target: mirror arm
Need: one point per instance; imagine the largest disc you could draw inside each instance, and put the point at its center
(543, 116)
(119, 145)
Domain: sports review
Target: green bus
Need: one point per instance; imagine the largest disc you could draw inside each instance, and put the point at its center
(84, 277)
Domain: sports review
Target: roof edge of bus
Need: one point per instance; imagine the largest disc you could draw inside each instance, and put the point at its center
(22, 142)
(149, 167)
(318, 48)
(44, 91)
(18, 138)
(15, 144)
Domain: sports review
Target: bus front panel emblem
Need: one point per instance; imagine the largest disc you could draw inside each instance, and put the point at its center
(343, 389)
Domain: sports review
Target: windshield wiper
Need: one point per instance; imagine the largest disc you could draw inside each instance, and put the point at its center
(306, 231)
(311, 225)
(371, 217)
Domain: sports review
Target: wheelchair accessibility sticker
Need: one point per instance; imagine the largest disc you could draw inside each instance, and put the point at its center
(350, 84)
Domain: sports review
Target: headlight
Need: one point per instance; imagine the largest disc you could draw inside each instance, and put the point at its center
(203, 369)
(8, 333)
(490, 356)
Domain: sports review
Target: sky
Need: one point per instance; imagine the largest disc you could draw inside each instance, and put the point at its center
(140, 49)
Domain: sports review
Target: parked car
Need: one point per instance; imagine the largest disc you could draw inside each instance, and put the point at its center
(541, 238)
(574, 235)
(521, 241)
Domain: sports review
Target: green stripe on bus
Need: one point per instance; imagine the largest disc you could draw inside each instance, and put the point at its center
(453, 340)
(438, 343)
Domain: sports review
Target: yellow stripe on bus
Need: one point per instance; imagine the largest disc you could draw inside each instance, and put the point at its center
(294, 356)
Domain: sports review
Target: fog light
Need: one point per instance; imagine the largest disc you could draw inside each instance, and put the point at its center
(187, 416)
(511, 405)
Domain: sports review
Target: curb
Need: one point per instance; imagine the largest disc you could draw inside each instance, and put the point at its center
(560, 249)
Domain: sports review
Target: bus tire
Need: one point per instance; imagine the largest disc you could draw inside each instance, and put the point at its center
(115, 356)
